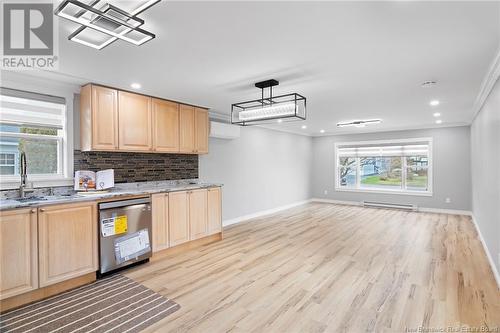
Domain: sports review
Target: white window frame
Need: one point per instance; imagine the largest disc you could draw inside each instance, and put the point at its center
(403, 189)
(60, 155)
(15, 165)
(63, 177)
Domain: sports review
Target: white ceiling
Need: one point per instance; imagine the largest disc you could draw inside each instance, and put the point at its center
(352, 60)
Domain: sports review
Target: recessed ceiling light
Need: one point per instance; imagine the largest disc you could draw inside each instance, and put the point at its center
(136, 86)
(436, 114)
(280, 120)
(304, 127)
(434, 102)
(322, 131)
(439, 121)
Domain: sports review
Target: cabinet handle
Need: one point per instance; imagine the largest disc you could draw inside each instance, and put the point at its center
(33, 211)
(42, 210)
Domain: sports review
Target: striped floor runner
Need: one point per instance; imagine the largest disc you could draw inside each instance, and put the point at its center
(113, 304)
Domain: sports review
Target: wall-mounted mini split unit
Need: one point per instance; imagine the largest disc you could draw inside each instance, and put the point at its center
(224, 131)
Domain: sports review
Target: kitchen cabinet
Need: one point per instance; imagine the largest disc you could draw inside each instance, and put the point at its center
(198, 218)
(18, 252)
(98, 118)
(201, 131)
(178, 218)
(115, 120)
(187, 115)
(67, 242)
(160, 232)
(214, 198)
(165, 126)
(135, 122)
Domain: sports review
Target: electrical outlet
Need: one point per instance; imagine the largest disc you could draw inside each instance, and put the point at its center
(325, 192)
(447, 200)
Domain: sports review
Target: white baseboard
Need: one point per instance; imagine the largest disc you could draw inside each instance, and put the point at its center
(420, 209)
(488, 254)
(445, 211)
(262, 213)
(337, 202)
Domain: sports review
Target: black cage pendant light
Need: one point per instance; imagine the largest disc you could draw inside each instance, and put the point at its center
(270, 109)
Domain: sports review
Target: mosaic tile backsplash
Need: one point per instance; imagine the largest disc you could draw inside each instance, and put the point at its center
(139, 167)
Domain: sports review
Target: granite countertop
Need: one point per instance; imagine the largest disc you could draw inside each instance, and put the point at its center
(120, 190)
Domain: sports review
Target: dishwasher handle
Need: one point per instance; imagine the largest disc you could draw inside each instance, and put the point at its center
(124, 203)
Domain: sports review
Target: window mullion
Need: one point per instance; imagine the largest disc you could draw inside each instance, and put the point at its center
(403, 173)
(358, 172)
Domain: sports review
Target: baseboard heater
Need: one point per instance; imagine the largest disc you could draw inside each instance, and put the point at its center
(389, 205)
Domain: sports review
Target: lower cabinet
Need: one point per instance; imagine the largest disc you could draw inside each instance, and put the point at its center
(198, 219)
(179, 217)
(67, 242)
(214, 199)
(160, 232)
(18, 252)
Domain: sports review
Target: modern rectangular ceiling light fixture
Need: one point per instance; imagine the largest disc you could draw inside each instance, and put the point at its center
(281, 108)
(359, 123)
(103, 23)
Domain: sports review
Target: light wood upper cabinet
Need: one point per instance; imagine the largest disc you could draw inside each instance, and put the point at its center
(201, 131)
(98, 118)
(67, 242)
(178, 218)
(165, 126)
(135, 122)
(160, 221)
(115, 120)
(198, 218)
(214, 210)
(187, 117)
(18, 252)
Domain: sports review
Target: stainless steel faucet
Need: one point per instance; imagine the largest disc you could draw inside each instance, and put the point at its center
(24, 188)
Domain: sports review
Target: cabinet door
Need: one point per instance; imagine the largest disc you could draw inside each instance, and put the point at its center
(104, 118)
(178, 218)
(201, 131)
(135, 120)
(186, 129)
(18, 252)
(214, 210)
(198, 218)
(160, 221)
(165, 126)
(67, 242)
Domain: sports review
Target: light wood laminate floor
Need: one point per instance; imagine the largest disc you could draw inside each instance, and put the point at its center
(331, 268)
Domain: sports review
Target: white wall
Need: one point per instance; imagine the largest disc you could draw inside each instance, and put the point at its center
(485, 154)
(451, 168)
(261, 170)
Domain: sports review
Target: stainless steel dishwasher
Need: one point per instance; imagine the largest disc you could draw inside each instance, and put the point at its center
(124, 233)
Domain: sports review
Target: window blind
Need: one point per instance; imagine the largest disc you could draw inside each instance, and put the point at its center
(380, 151)
(29, 109)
